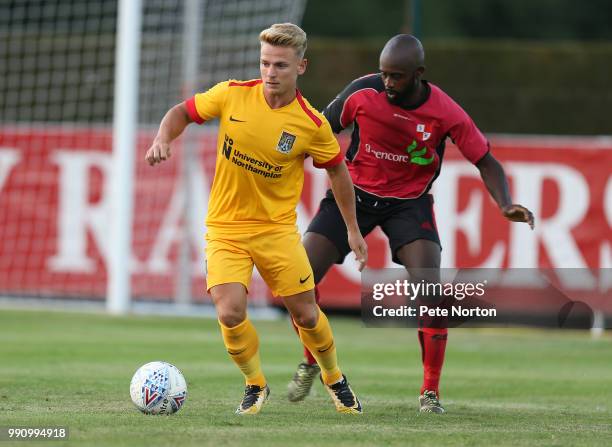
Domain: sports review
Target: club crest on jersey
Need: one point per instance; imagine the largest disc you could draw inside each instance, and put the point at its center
(424, 130)
(285, 143)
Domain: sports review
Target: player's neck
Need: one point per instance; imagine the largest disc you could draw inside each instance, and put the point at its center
(416, 97)
(277, 100)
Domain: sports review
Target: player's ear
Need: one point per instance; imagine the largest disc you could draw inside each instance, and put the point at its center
(302, 66)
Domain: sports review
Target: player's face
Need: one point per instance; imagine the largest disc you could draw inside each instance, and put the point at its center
(280, 67)
(400, 83)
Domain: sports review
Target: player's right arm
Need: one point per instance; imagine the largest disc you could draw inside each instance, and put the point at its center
(172, 125)
(200, 108)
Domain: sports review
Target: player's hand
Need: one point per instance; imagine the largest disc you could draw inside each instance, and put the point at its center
(359, 247)
(158, 152)
(518, 213)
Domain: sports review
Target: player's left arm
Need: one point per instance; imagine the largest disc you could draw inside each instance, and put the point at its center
(475, 147)
(326, 154)
(495, 179)
(344, 193)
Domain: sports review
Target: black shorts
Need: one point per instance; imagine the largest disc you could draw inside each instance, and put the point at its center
(403, 221)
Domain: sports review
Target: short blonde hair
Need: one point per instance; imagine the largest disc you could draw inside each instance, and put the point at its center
(285, 35)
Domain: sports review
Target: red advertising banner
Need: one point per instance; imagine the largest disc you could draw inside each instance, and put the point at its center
(55, 213)
(566, 182)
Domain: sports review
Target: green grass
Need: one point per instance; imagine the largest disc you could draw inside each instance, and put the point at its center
(500, 387)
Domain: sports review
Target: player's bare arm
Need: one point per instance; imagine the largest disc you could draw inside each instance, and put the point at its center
(344, 192)
(494, 178)
(172, 125)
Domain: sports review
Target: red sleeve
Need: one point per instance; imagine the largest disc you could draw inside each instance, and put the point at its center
(349, 109)
(192, 111)
(342, 111)
(468, 138)
(330, 163)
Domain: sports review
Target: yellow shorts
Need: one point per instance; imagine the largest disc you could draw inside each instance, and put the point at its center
(277, 253)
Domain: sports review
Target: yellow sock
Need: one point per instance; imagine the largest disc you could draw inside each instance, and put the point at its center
(243, 347)
(320, 342)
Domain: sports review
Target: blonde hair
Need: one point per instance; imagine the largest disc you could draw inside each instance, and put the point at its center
(285, 35)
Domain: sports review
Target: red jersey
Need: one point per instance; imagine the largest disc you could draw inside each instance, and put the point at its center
(397, 152)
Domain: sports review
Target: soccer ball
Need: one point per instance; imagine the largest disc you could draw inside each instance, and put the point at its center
(158, 388)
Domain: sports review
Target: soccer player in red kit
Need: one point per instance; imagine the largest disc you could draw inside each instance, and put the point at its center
(401, 123)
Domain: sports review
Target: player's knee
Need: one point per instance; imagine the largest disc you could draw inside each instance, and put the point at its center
(306, 319)
(230, 303)
(231, 316)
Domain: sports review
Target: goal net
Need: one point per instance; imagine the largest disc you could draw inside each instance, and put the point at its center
(57, 68)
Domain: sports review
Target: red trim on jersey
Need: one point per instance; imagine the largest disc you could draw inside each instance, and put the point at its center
(193, 111)
(331, 163)
(483, 155)
(245, 84)
(309, 112)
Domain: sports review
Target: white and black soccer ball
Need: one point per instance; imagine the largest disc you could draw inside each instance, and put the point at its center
(158, 388)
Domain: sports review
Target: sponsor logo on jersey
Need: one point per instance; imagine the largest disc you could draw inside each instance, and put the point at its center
(404, 117)
(227, 146)
(413, 155)
(285, 143)
(383, 155)
(246, 161)
(416, 156)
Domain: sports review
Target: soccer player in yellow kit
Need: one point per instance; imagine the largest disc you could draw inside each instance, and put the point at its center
(266, 130)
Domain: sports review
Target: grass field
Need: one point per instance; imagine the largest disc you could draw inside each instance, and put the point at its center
(500, 387)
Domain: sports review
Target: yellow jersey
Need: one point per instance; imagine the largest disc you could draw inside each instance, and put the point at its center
(259, 171)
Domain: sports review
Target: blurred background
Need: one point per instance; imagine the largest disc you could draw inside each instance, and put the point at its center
(534, 75)
(537, 67)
